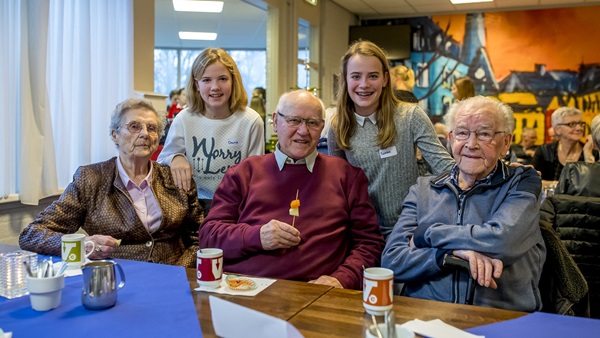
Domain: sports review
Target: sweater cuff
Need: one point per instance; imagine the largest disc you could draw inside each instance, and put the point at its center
(347, 281)
(439, 256)
(252, 241)
(419, 237)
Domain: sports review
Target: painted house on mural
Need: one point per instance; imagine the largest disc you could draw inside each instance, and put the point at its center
(437, 59)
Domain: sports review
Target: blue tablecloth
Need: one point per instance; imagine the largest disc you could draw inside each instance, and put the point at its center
(539, 324)
(155, 302)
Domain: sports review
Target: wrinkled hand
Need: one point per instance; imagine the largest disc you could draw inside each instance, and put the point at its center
(182, 172)
(327, 280)
(278, 235)
(105, 246)
(483, 268)
(587, 148)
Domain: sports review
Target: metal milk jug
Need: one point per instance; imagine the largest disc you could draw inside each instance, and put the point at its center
(100, 284)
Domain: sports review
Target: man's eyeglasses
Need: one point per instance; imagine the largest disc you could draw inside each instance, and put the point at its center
(484, 135)
(295, 121)
(135, 127)
(573, 124)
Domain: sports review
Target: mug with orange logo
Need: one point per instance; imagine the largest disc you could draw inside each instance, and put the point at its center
(378, 289)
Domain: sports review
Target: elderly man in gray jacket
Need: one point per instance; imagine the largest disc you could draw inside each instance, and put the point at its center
(481, 210)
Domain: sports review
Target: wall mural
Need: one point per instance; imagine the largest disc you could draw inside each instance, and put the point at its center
(535, 61)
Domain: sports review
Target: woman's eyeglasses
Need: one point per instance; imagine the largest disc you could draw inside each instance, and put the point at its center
(135, 127)
(573, 124)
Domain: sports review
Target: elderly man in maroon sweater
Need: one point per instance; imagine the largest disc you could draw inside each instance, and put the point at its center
(336, 233)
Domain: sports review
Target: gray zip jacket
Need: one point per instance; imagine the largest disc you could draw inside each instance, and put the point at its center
(498, 218)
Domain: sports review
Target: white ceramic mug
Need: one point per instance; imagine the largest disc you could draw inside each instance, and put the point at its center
(73, 250)
(45, 293)
(209, 264)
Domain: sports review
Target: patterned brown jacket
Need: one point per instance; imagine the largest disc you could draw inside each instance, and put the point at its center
(97, 201)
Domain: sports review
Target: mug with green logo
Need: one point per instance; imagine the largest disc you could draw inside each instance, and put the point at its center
(73, 250)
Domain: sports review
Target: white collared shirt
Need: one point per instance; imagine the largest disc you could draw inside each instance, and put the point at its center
(282, 159)
(361, 119)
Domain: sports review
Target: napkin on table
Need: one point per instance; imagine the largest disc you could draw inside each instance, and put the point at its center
(437, 329)
(261, 284)
(235, 321)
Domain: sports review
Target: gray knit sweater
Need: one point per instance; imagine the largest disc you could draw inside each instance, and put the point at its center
(391, 177)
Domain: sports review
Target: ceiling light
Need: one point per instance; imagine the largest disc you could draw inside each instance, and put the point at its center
(458, 2)
(198, 6)
(197, 36)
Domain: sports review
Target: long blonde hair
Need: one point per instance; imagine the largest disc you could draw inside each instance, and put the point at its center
(344, 123)
(238, 99)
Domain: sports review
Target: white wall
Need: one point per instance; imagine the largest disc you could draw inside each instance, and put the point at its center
(14, 216)
(335, 23)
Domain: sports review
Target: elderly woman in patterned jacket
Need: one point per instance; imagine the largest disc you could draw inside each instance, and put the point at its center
(129, 206)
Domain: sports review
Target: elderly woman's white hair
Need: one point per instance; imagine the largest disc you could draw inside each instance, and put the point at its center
(477, 103)
(118, 115)
(596, 130)
(559, 115)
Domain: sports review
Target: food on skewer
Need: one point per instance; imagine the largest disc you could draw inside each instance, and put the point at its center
(295, 208)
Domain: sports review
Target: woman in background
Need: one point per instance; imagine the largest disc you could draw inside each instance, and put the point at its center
(374, 131)
(216, 131)
(463, 88)
(550, 159)
(403, 80)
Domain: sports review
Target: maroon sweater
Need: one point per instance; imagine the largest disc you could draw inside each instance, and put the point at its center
(337, 223)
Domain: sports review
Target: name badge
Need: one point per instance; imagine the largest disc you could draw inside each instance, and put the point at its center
(233, 143)
(388, 152)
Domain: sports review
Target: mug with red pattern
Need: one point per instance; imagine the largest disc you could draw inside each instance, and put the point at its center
(209, 267)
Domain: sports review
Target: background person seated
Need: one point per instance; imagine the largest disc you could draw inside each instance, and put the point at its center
(481, 210)
(579, 189)
(526, 148)
(336, 233)
(127, 198)
(583, 178)
(550, 159)
(403, 80)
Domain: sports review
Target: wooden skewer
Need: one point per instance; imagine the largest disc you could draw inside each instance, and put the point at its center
(294, 217)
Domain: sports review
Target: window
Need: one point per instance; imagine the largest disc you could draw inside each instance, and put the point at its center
(172, 68)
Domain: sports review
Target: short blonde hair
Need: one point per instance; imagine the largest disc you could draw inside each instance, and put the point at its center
(558, 116)
(404, 74)
(238, 99)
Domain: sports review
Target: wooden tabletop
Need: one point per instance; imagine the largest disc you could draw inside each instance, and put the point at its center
(339, 313)
(283, 299)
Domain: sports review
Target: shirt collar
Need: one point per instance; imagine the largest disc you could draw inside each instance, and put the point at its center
(125, 178)
(361, 119)
(487, 180)
(282, 159)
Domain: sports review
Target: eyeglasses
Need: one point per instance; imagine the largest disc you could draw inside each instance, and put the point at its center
(295, 121)
(573, 124)
(135, 127)
(484, 135)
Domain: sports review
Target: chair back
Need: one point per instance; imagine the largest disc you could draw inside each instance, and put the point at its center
(572, 238)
